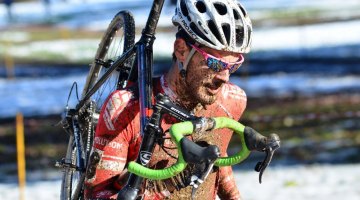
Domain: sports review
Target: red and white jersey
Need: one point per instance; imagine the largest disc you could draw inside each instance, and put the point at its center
(117, 141)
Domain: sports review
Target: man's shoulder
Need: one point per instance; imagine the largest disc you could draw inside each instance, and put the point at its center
(119, 98)
(233, 100)
(231, 91)
(119, 103)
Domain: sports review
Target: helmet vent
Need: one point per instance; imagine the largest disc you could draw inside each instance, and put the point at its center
(219, 24)
(214, 30)
(200, 5)
(220, 8)
(249, 34)
(226, 30)
(199, 33)
(236, 15)
(242, 10)
(239, 36)
(183, 8)
(200, 24)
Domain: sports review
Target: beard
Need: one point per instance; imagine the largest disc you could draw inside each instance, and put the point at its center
(200, 95)
(196, 89)
(199, 86)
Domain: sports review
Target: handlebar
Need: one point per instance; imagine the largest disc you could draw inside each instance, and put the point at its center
(190, 152)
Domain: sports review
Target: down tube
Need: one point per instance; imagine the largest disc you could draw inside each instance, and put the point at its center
(134, 182)
(145, 83)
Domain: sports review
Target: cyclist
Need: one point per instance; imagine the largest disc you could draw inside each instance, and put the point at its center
(211, 37)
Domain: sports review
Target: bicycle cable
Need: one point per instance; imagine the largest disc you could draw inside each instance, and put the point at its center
(77, 93)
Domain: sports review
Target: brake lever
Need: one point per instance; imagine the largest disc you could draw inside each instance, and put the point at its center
(272, 145)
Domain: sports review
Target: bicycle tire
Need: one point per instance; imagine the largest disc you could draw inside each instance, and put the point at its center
(123, 20)
(69, 174)
(122, 26)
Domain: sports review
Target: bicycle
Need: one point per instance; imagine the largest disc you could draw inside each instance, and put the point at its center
(116, 64)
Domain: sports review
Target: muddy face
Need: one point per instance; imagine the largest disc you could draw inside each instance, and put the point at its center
(203, 84)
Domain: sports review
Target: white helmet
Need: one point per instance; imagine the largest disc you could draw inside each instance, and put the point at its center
(218, 24)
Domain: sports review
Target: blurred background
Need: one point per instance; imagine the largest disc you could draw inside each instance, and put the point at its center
(302, 79)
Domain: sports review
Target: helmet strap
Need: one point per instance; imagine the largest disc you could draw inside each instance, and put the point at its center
(182, 67)
(188, 58)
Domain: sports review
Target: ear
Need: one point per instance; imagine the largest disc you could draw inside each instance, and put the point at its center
(181, 50)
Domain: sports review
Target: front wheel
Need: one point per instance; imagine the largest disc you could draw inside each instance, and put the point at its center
(118, 38)
(72, 177)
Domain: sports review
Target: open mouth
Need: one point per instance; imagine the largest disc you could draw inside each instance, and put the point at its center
(213, 89)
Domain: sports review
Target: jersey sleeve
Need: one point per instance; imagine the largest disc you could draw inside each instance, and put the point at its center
(234, 97)
(116, 133)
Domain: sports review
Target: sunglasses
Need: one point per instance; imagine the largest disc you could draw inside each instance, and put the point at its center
(217, 64)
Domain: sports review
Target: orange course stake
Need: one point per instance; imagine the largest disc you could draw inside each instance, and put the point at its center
(20, 146)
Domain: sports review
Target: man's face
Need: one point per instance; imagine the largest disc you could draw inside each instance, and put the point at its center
(204, 84)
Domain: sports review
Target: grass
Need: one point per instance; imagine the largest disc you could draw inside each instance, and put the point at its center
(45, 33)
(304, 15)
(51, 45)
(48, 44)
